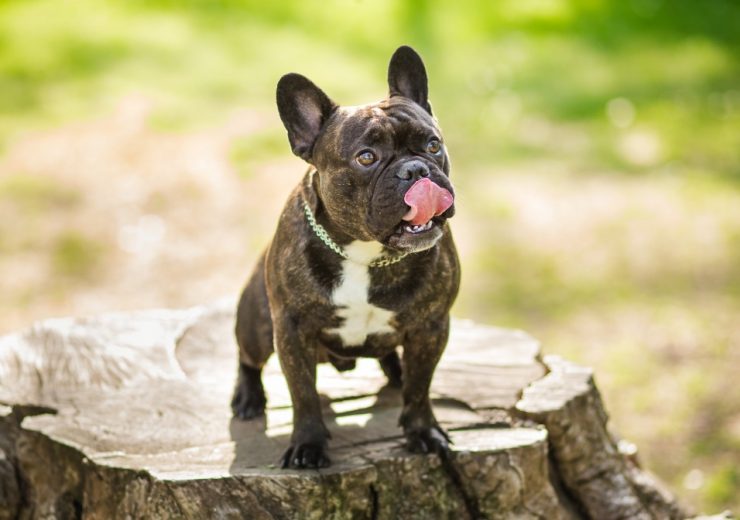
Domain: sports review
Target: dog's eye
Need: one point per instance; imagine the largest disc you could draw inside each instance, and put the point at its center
(366, 158)
(434, 146)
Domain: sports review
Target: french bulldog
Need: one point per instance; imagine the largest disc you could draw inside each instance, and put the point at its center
(362, 263)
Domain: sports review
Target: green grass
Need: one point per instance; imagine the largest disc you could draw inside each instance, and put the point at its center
(76, 256)
(249, 153)
(635, 271)
(29, 205)
(33, 195)
(723, 484)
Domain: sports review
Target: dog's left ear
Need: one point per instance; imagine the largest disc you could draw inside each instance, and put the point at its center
(407, 77)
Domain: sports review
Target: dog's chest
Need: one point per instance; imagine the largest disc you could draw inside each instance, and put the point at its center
(359, 317)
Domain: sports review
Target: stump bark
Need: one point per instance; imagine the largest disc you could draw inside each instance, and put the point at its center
(127, 416)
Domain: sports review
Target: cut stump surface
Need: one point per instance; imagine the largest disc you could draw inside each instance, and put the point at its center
(127, 416)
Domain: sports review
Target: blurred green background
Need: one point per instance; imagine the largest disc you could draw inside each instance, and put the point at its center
(595, 148)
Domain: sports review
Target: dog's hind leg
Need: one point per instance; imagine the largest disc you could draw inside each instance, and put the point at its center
(391, 365)
(254, 337)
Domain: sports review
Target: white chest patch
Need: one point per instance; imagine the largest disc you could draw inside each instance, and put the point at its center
(360, 317)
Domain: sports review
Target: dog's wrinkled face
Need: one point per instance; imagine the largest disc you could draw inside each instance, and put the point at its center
(368, 158)
(383, 167)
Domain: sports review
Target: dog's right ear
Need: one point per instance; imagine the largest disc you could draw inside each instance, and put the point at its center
(304, 109)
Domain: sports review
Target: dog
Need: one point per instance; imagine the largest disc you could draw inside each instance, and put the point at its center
(362, 261)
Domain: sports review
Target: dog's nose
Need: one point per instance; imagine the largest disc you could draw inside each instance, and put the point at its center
(412, 170)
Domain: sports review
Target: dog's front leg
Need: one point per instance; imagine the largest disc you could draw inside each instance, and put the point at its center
(308, 444)
(421, 352)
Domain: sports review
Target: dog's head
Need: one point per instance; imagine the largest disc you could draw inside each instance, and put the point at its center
(383, 169)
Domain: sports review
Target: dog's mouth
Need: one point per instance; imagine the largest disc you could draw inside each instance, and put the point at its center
(416, 229)
(428, 206)
(409, 229)
(416, 237)
(421, 226)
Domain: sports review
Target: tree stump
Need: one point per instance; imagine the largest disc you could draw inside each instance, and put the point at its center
(127, 416)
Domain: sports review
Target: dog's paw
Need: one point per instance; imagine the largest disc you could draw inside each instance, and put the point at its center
(249, 396)
(247, 407)
(305, 456)
(429, 440)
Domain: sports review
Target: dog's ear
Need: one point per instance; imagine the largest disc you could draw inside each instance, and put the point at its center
(304, 109)
(407, 77)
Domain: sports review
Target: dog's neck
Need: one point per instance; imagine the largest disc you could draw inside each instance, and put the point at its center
(321, 232)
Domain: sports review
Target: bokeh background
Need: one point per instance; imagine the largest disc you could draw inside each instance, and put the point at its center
(595, 147)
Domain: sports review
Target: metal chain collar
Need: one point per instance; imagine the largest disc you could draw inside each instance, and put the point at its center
(381, 261)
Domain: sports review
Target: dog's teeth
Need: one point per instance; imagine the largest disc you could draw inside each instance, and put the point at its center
(418, 228)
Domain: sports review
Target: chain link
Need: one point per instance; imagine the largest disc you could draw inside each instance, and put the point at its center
(382, 261)
(321, 232)
(385, 261)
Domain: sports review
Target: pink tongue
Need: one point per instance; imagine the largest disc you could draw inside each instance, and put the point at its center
(426, 200)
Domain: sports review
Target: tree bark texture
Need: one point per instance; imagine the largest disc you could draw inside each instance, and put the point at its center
(127, 416)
